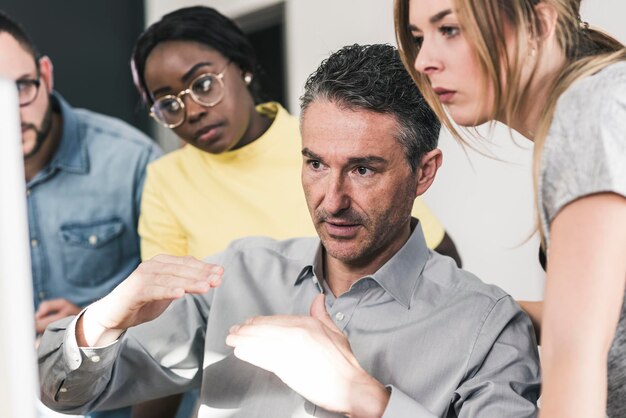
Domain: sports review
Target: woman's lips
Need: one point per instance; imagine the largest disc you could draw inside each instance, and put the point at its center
(445, 95)
(208, 134)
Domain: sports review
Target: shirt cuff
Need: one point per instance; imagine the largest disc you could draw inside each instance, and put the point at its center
(401, 405)
(94, 358)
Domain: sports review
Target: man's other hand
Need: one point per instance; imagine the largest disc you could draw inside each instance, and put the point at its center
(313, 357)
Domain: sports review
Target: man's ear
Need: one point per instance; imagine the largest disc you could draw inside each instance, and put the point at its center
(46, 72)
(430, 163)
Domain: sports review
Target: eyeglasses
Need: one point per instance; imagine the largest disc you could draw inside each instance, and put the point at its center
(27, 91)
(206, 90)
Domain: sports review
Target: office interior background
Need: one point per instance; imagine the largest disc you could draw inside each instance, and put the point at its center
(483, 197)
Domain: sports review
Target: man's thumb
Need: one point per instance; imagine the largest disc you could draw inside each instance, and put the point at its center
(318, 311)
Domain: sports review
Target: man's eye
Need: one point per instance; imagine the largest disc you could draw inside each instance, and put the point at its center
(363, 171)
(315, 165)
(23, 85)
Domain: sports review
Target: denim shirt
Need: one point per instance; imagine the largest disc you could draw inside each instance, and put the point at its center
(83, 207)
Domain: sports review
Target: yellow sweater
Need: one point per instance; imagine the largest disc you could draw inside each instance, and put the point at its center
(196, 203)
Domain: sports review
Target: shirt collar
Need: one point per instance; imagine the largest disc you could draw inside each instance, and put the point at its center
(72, 153)
(399, 276)
(312, 262)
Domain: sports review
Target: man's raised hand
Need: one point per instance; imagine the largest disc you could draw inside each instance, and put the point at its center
(144, 295)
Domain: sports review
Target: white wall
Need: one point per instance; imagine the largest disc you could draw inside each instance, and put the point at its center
(316, 28)
(606, 14)
(486, 204)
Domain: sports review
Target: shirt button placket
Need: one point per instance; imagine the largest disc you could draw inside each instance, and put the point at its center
(339, 316)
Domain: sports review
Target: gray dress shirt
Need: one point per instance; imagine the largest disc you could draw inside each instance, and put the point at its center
(446, 344)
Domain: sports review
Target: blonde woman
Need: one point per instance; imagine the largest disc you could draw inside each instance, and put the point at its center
(536, 67)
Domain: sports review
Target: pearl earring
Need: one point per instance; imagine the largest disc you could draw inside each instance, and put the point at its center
(247, 78)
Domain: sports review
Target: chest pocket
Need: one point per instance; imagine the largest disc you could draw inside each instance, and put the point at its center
(91, 251)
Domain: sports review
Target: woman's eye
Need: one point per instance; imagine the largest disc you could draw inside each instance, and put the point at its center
(449, 31)
(171, 106)
(203, 85)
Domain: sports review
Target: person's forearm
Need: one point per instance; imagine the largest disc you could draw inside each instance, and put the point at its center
(578, 391)
(90, 333)
(583, 300)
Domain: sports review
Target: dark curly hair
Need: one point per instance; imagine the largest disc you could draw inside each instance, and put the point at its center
(372, 77)
(203, 25)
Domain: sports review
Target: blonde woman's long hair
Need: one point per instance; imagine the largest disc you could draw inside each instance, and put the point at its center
(586, 51)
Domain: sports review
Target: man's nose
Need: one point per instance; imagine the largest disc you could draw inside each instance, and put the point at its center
(337, 197)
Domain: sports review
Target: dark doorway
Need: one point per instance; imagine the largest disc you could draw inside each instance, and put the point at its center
(266, 30)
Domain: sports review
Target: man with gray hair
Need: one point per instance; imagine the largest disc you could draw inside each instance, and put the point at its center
(362, 321)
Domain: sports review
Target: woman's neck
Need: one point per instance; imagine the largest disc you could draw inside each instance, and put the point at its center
(550, 63)
(258, 125)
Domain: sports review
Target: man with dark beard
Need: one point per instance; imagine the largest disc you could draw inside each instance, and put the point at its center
(363, 320)
(84, 175)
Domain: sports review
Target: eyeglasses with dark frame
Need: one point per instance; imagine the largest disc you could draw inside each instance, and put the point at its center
(207, 90)
(27, 90)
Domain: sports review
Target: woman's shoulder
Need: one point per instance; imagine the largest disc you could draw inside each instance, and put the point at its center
(596, 91)
(594, 105)
(585, 148)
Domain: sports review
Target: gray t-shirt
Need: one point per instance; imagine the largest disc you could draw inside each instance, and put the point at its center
(585, 153)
